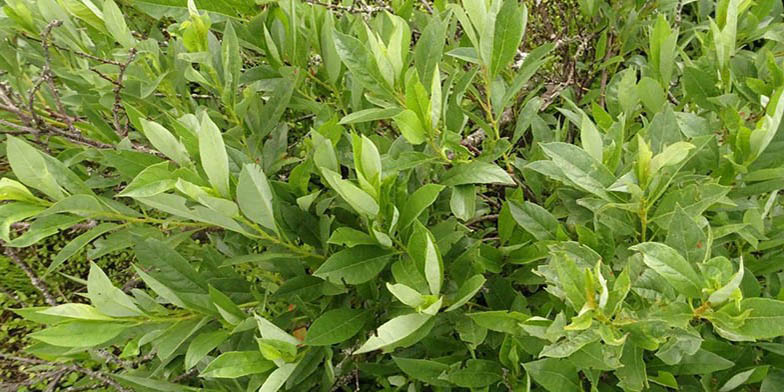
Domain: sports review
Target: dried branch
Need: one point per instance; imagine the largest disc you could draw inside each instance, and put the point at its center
(121, 130)
(71, 368)
(37, 282)
(362, 9)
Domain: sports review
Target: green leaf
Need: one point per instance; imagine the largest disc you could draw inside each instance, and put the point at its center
(476, 172)
(108, 299)
(510, 25)
(534, 219)
(80, 333)
(554, 375)
(203, 345)
(230, 8)
(213, 155)
(410, 126)
(477, 373)
(580, 168)
(463, 201)
(237, 364)
(367, 115)
(591, 139)
(359, 60)
(406, 295)
(358, 199)
(76, 311)
(418, 203)
(467, 290)
(430, 48)
(394, 331)
(423, 370)
(773, 382)
(672, 266)
(115, 24)
(254, 196)
(687, 237)
(78, 243)
(354, 265)
(277, 378)
(166, 143)
(30, 168)
(336, 326)
(762, 318)
(423, 250)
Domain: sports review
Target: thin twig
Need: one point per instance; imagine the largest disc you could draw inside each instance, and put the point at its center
(121, 130)
(73, 368)
(37, 282)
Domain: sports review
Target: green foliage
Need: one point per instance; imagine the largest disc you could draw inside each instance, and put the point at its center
(287, 195)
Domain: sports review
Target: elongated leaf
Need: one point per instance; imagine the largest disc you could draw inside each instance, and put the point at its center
(354, 265)
(394, 331)
(237, 364)
(476, 172)
(255, 196)
(213, 155)
(335, 326)
(672, 266)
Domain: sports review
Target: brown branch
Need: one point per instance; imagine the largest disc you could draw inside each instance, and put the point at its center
(362, 9)
(72, 368)
(121, 130)
(37, 282)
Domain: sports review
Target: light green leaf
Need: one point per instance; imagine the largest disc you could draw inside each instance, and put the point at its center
(213, 155)
(367, 115)
(115, 24)
(278, 377)
(591, 139)
(358, 199)
(394, 331)
(237, 364)
(672, 266)
(165, 142)
(406, 295)
(410, 126)
(80, 333)
(30, 168)
(108, 299)
(254, 196)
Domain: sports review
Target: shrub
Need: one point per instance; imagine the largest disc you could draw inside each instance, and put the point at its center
(397, 196)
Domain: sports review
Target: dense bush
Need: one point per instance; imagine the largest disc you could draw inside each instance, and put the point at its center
(404, 195)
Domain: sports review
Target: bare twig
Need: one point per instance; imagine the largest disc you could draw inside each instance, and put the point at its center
(37, 282)
(122, 130)
(71, 368)
(56, 380)
(427, 5)
(362, 9)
